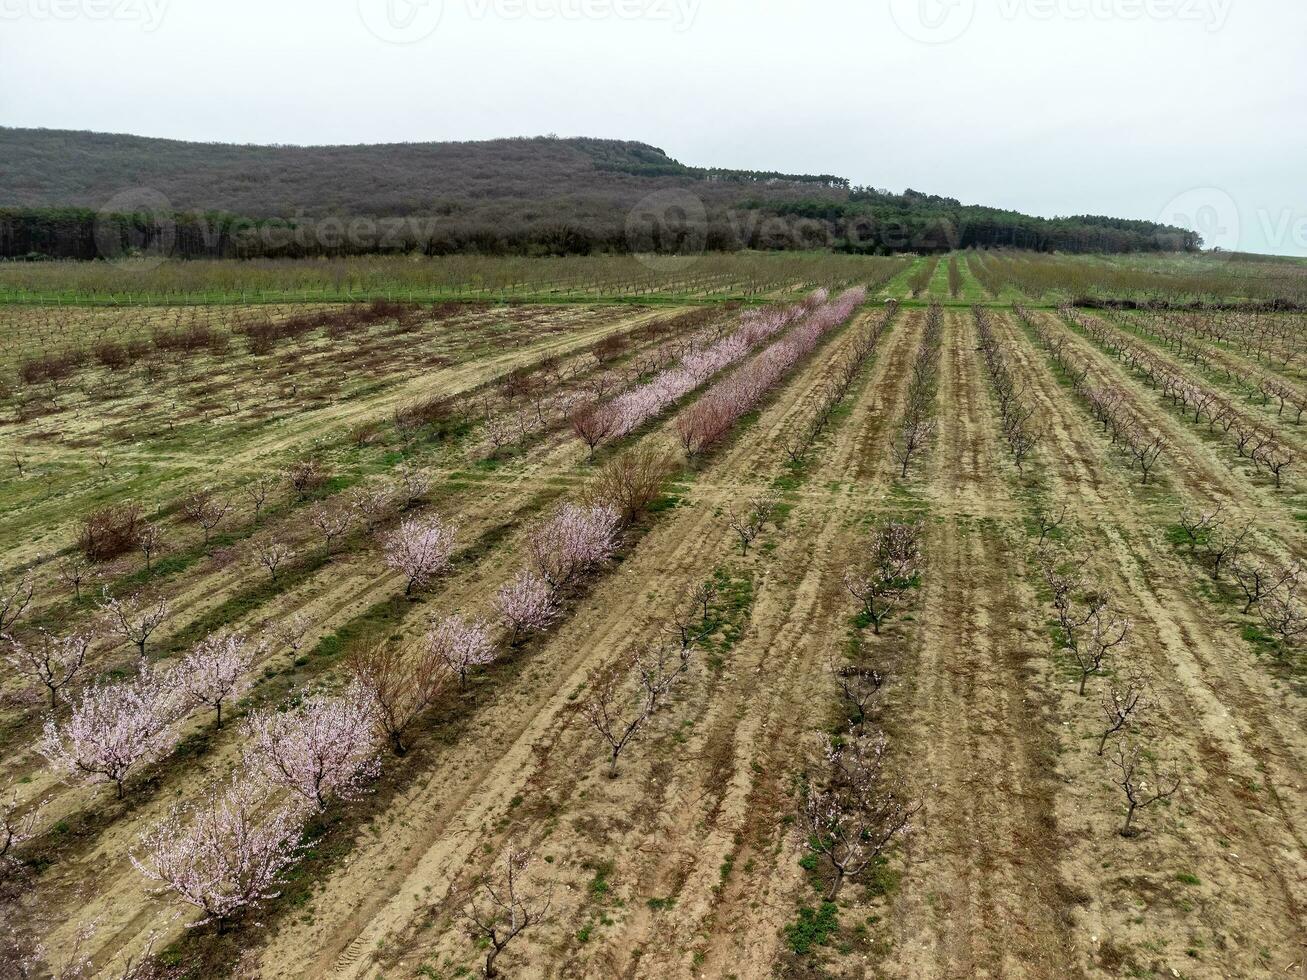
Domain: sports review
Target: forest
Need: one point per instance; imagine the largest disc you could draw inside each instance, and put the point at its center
(74, 195)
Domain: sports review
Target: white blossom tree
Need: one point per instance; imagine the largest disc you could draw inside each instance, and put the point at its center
(224, 854)
(215, 672)
(420, 549)
(526, 605)
(113, 729)
(461, 644)
(324, 746)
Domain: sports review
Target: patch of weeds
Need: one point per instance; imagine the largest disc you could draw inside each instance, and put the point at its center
(661, 904)
(599, 885)
(814, 927)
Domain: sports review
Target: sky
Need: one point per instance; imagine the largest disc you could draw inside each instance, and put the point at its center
(1187, 111)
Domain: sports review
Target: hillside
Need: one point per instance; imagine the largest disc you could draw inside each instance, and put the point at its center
(526, 196)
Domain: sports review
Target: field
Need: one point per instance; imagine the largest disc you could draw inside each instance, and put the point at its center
(816, 616)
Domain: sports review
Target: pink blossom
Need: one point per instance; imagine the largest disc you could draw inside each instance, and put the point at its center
(224, 854)
(461, 644)
(420, 548)
(572, 542)
(113, 729)
(526, 605)
(324, 746)
(215, 671)
(708, 419)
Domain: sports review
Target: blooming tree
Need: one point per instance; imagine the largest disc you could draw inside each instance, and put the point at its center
(226, 853)
(215, 671)
(526, 605)
(55, 661)
(113, 729)
(150, 542)
(272, 553)
(290, 631)
(331, 521)
(575, 540)
(461, 644)
(420, 549)
(322, 747)
(856, 815)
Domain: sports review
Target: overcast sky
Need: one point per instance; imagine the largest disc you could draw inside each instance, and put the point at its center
(1186, 110)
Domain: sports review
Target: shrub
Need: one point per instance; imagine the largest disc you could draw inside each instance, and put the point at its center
(111, 531)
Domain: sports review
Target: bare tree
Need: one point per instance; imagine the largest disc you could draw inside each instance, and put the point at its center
(592, 422)
(1091, 636)
(306, 476)
(858, 686)
(150, 543)
(1223, 549)
(890, 570)
(206, 510)
(503, 905)
(703, 595)
(134, 619)
(14, 599)
(73, 571)
(55, 661)
(1257, 581)
(1050, 519)
(1283, 611)
(258, 489)
(400, 685)
(750, 522)
(631, 482)
(1198, 526)
(914, 435)
(1126, 698)
(1142, 788)
(618, 713)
